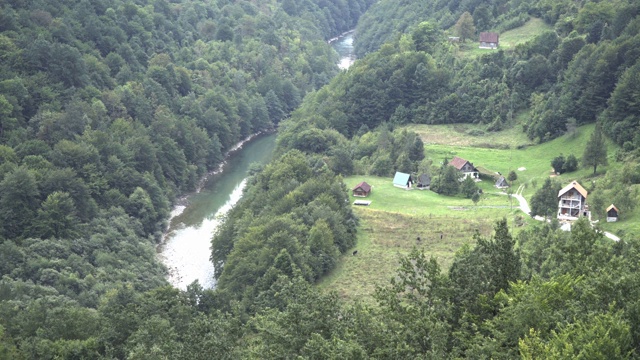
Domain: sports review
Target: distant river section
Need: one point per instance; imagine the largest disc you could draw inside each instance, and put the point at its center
(186, 248)
(344, 46)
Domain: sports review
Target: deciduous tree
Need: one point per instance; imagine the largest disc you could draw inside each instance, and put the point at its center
(545, 201)
(595, 153)
(464, 27)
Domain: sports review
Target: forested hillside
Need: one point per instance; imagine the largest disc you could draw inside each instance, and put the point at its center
(109, 110)
(579, 72)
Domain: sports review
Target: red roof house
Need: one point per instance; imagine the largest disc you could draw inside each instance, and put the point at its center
(465, 167)
(362, 190)
(489, 40)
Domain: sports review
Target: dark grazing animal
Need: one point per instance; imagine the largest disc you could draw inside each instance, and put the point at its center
(355, 253)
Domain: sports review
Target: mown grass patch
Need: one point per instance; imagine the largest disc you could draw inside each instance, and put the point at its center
(386, 197)
(535, 160)
(532, 28)
(472, 135)
(384, 237)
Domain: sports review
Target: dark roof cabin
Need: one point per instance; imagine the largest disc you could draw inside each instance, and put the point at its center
(502, 183)
(424, 181)
(362, 190)
(612, 213)
(402, 180)
(489, 40)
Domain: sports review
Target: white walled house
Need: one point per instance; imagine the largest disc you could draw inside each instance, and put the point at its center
(572, 201)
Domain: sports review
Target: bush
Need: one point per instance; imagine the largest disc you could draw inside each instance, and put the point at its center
(571, 164)
(558, 164)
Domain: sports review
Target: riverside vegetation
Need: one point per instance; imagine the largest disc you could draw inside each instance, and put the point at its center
(109, 111)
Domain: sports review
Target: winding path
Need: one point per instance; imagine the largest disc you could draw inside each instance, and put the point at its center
(524, 206)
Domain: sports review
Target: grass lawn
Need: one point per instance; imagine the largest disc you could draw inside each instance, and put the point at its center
(390, 226)
(535, 159)
(385, 236)
(508, 39)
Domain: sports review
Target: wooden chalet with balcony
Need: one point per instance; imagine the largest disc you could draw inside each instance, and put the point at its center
(572, 201)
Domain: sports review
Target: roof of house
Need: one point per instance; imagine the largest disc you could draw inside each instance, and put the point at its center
(490, 37)
(574, 185)
(501, 180)
(458, 163)
(364, 186)
(612, 207)
(401, 178)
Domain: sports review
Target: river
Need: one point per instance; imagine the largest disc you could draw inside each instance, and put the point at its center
(344, 46)
(186, 246)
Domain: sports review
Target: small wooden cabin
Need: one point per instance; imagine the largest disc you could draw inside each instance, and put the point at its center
(362, 190)
(502, 183)
(612, 213)
(489, 40)
(424, 181)
(402, 180)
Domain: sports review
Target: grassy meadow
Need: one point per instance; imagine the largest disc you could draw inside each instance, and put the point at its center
(390, 226)
(508, 39)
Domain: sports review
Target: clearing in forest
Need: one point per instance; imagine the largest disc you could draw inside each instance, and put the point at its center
(508, 39)
(390, 226)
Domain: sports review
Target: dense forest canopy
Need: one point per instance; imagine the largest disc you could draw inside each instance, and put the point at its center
(109, 110)
(578, 72)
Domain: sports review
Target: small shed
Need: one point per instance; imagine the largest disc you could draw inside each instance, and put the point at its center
(402, 180)
(489, 40)
(612, 213)
(424, 181)
(502, 183)
(362, 190)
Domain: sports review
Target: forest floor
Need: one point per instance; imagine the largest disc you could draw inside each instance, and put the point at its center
(391, 225)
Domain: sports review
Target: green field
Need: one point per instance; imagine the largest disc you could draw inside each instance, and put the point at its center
(390, 226)
(385, 236)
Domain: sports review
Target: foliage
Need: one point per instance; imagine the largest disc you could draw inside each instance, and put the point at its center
(595, 153)
(464, 27)
(545, 201)
(447, 180)
(468, 187)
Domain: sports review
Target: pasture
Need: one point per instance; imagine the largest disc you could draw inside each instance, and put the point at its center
(390, 226)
